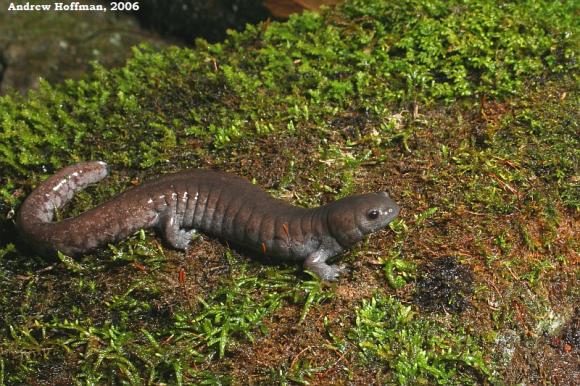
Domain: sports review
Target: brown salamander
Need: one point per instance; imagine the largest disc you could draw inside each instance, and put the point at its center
(216, 203)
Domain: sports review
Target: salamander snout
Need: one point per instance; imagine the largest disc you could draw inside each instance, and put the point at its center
(351, 218)
(375, 212)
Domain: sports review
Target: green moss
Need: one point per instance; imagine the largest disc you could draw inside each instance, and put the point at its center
(414, 350)
(410, 51)
(113, 348)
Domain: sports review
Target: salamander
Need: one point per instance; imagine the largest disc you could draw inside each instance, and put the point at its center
(216, 203)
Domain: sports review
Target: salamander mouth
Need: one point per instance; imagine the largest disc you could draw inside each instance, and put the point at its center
(393, 213)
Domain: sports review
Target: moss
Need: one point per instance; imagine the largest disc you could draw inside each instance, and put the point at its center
(415, 351)
(464, 111)
(399, 53)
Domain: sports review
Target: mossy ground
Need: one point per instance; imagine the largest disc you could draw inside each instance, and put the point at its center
(467, 112)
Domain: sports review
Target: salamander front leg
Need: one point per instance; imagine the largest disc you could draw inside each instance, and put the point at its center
(175, 236)
(316, 262)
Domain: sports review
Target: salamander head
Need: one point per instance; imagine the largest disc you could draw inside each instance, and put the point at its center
(351, 218)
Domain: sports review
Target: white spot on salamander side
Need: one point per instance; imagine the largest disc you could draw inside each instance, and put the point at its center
(102, 163)
(318, 257)
(59, 185)
(150, 201)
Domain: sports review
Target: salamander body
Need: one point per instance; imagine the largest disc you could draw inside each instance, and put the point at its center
(216, 203)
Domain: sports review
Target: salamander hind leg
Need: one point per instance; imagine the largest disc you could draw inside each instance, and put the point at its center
(175, 236)
(316, 262)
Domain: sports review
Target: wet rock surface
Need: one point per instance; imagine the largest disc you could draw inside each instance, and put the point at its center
(189, 19)
(61, 45)
(444, 285)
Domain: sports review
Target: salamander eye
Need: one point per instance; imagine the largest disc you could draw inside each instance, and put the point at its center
(373, 214)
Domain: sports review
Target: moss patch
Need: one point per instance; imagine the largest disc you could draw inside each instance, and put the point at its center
(407, 350)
